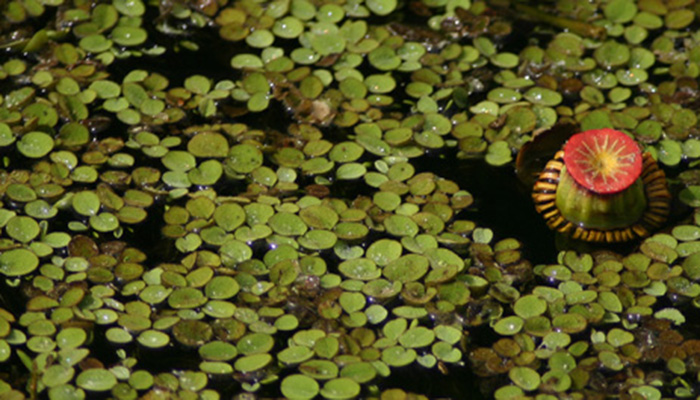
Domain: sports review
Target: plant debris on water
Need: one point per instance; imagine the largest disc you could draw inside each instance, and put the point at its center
(245, 199)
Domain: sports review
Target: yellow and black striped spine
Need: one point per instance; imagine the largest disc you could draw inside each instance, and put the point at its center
(658, 197)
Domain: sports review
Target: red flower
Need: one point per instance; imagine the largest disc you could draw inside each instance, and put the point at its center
(604, 161)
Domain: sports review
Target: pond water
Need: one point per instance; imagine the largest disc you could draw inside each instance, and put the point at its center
(333, 199)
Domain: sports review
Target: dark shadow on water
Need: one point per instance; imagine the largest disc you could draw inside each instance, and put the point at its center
(459, 383)
(501, 203)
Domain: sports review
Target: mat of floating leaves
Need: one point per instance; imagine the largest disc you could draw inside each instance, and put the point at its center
(264, 241)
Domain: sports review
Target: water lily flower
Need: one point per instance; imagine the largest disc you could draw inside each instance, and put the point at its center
(601, 188)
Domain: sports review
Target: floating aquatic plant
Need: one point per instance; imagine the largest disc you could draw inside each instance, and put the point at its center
(249, 198)
(601, 188)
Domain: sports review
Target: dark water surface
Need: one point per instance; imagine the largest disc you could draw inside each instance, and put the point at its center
(502, 204)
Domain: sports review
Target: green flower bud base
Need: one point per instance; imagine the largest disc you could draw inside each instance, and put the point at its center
(583, 207)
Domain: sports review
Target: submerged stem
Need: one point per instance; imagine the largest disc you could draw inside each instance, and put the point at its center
(578, 27)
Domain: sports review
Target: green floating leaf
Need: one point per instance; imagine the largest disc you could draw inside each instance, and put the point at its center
(96, 379)
(153, 339)
(417, 337)
(35, 144)
(690, 196)
(381, 7)
(218, 351)
(22, 229)
(129, 36)
(620, 11)
(340, 388)
(526, 378)
(6, 135)
(18, 262)
(208, 144)
(671, 314)
(498, 153)
(529, 306)
(255, 343)
(57, 375)
(509, 326)
(299, 387)
(288, 27)
(252, 363)
(679, 19)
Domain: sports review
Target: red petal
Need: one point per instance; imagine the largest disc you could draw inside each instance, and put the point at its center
(604, 161)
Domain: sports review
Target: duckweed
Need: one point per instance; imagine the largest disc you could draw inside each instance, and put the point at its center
(284, 226)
